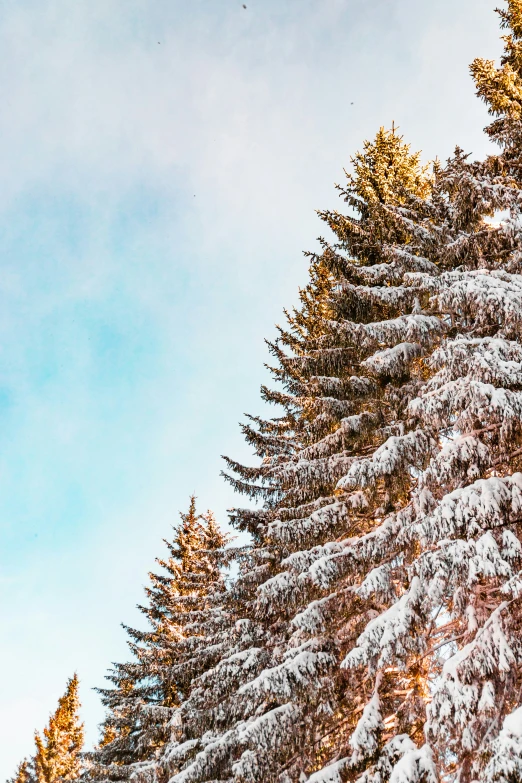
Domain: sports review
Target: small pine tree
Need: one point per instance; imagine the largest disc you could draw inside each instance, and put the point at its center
(183, 612)
(58, 751)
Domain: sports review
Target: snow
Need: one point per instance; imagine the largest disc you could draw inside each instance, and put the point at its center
(329, 774)
(505, 764)
(388, 637)
(365, 738)
(417, 766)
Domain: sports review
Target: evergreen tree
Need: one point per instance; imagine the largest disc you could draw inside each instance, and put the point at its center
(58, 751)
(280, 704)
(183, 611)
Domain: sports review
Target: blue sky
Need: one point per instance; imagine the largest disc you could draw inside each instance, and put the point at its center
(160, 165)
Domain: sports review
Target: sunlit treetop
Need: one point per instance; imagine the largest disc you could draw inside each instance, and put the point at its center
(501, 88)
(385, 168)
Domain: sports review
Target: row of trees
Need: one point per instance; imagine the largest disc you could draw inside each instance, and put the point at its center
(373, 631)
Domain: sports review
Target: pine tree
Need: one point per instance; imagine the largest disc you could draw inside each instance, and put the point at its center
(183, 612)
(280, 704)
(58, 751)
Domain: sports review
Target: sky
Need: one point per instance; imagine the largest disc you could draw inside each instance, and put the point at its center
(161, 162)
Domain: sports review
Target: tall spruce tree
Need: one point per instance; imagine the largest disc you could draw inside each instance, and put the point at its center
(280, 704)
(184, 611)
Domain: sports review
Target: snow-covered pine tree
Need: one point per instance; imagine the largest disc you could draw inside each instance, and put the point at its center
(183, 612)
(280, 703)
(58, 751)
